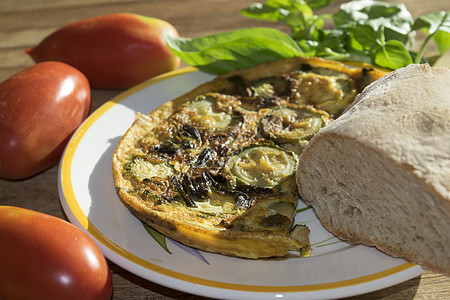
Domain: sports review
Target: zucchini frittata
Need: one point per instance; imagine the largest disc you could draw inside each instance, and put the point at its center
(215, 168)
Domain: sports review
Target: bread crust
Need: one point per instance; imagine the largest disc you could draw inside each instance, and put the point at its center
(398, 126)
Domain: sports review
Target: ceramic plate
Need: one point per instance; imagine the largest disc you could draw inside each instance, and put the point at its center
(335, 269)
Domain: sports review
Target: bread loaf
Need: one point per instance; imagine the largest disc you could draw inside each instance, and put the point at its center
(380, 174)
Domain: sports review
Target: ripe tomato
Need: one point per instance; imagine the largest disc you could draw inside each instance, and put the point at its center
(44, 257)
(40, 108)
(113, 51)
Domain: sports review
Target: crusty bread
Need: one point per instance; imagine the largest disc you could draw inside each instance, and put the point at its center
(380, 174)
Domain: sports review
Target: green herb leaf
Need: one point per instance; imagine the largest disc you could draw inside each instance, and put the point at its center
(245, 48)
(316, 4)
(433, 22)
(296, 14)
(276, 10)
(269, 11)
(157, 236)
(392, 55)
(395, 19)
(437, 25)
(442, 40)
(334, 42)
(366, 31)
(367, 37)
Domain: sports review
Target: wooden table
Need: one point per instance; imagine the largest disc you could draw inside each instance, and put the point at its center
(24, 23)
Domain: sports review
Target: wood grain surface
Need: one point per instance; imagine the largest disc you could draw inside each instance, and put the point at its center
(24, 23)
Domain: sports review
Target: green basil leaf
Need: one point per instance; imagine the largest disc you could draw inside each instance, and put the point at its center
(377, 12)
(157, 236)
(300, 20)
(294, 13)
(258, 10)
(205, 42)
(367, 37)
(442, 40)
(393, 55)
(433, 22)
(316, 4)
(276, 10)
(395, 18)
(333, 44)
(268, 12)
(309, 47)
(438, 25)
(225, 52)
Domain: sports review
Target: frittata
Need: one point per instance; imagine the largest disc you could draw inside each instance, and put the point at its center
(215, 168)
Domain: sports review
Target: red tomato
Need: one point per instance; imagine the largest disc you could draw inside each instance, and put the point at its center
(113, 51)
(40, 108)
(44, 257)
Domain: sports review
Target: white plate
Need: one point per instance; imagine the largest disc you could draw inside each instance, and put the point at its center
(335, 269)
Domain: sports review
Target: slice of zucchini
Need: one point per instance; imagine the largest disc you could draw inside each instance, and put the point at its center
(206, 117)
(269, 87)
(330, 93)
(292, 124)
(262, 166)
(142, 168)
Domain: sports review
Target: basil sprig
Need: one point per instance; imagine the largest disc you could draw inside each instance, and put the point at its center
(367, 31)
(437, 26)
(222, 53)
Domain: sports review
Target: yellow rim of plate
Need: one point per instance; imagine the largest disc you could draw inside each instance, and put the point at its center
(72, 202)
